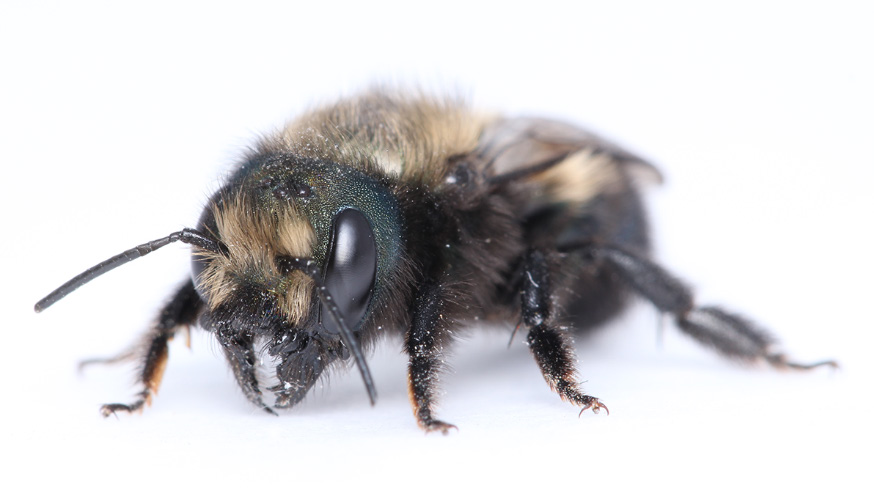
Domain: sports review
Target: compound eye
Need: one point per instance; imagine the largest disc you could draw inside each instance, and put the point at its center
(198, 265)
(350, 272)
(199, 262)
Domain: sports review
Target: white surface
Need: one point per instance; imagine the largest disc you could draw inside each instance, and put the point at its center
(117, 124)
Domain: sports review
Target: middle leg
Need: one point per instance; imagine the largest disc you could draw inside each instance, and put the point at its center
(552, 350)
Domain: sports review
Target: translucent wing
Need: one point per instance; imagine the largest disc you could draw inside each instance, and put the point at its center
(523, 148)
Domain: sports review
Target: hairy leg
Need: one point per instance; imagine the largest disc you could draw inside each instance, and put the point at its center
(181, 311)
(549, 345)
(729, 334)
(424, 344)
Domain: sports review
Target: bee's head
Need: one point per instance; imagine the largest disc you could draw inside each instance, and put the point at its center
(294, 252)
(307, 249)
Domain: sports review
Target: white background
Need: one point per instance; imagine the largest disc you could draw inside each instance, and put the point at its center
(117, 123)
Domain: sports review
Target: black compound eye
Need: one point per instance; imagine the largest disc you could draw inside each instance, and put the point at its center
(198, 265)
(198, 262)
(350, 272)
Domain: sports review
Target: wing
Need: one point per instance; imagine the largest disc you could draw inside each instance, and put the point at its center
(541, 149)
(569, 184)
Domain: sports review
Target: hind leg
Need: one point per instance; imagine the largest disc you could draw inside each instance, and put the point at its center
(181, 311)
(729, 334)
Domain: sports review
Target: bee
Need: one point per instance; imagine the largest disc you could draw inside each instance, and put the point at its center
(417, 216)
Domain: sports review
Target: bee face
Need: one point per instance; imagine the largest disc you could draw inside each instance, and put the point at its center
(260, 221)
(278, 209)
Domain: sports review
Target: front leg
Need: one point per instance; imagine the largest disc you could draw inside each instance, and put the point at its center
(424, 344)
(551, 349)
(181, 311)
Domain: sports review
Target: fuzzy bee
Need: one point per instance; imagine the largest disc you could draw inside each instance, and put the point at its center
(417, 216)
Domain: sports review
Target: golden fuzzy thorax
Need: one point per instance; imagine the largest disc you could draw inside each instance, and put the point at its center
(254, 241)
(410, 138)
